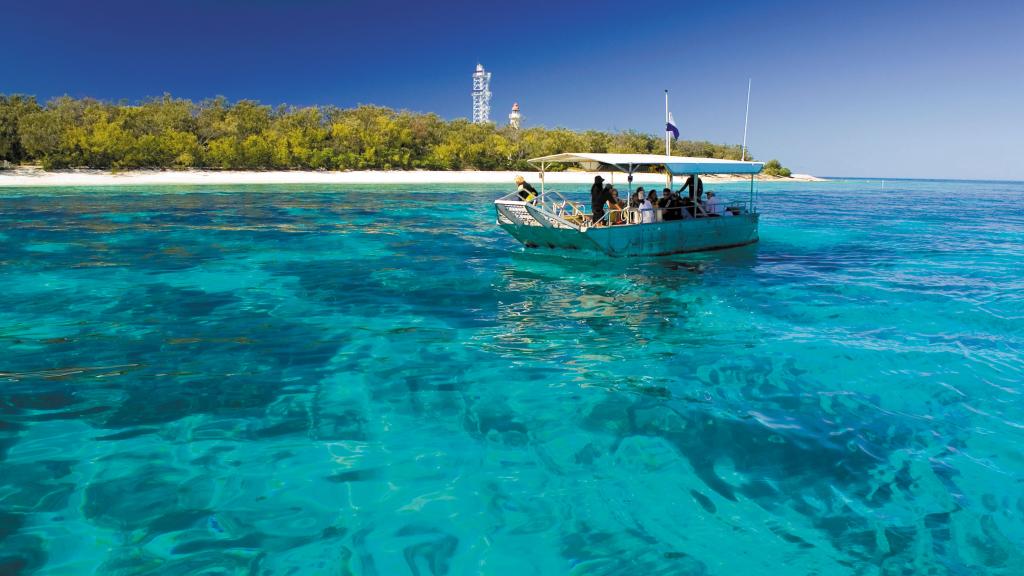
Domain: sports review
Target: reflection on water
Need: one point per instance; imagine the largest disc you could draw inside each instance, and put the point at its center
(349, 381)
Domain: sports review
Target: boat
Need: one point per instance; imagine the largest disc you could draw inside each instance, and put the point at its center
(552, 221)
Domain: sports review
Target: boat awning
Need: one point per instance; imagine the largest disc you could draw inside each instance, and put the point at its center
(597, 161)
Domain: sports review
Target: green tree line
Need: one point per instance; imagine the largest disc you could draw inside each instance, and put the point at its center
(171, 132)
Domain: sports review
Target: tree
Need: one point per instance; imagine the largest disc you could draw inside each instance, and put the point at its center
(774, 168)
(168, 132)
(12, 110)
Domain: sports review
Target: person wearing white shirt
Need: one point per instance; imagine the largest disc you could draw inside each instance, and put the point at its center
(647, 211)
(711, 204)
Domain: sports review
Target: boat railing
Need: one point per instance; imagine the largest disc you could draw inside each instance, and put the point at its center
(618, 217)
(550, 201)
(510, 197)
(553, 203)
(621, 216)
(577, 213)
(737, 207)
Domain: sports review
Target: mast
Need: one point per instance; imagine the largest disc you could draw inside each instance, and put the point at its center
(746, 116)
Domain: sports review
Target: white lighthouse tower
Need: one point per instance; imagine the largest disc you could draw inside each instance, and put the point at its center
(481, 95)
(514, 118)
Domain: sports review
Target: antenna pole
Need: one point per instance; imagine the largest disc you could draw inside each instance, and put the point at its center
(746, 116)
(481, 95)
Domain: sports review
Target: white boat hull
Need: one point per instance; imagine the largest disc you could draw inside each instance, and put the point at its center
(654, 239)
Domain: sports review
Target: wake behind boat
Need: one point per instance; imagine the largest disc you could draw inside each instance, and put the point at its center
(550, 220)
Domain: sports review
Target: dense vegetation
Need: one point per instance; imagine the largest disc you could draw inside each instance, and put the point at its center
(773, 168)
(175, 133)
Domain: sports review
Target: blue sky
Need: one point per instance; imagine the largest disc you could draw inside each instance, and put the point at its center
(878, 89)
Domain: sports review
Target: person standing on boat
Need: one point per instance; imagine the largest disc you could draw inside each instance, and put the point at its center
(695, 192)
(597, 199)
(526, 192)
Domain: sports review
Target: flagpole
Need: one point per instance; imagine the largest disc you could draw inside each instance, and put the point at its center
(746, 116)
(668, 146)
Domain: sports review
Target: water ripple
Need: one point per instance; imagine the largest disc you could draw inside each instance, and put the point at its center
(357, 380)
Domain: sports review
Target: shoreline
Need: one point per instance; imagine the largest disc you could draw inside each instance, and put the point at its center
(34, 176)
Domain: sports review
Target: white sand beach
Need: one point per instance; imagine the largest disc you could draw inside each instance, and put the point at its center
(33, 176)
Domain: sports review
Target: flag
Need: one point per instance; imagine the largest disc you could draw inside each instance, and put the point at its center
(670, 126)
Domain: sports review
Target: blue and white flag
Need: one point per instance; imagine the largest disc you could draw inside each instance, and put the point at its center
(671, 127)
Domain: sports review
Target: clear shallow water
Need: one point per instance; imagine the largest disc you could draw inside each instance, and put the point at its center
(342, 380)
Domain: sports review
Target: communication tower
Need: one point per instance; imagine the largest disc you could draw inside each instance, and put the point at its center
(481, 95)
(513, 117)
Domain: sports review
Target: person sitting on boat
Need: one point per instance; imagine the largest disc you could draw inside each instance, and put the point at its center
(652, 197)
(665, 204)
(647, 211)
(711, 204)
(632, 211)
(597, 200)
(678, 201)
(699, 210)
(687, 209)
(637, 198)
(615, 207)
(526, 192)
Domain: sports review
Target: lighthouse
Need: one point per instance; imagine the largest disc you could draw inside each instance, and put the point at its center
(514, 117)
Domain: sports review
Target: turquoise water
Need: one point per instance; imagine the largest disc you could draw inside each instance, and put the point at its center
(360, 380)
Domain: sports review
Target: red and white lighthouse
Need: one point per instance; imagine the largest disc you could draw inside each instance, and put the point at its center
(514, 117)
